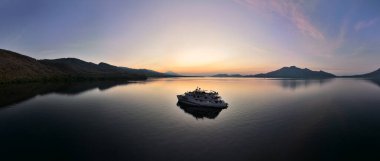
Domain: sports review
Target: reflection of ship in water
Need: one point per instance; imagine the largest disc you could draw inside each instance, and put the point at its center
(200, 112)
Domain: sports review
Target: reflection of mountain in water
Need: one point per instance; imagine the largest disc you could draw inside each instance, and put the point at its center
(16, 93)
(374, 81)
(200, 112)
(297, 83)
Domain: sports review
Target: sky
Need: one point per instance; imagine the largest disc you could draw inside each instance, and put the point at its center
(199, 37)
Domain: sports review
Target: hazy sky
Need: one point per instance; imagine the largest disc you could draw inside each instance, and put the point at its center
(199, 36)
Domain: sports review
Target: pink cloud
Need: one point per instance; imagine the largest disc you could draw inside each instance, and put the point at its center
(288, 9)
(365, 24)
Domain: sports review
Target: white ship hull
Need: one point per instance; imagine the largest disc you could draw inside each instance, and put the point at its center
(192, 102)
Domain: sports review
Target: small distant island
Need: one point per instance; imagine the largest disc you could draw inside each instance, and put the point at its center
(15, 67)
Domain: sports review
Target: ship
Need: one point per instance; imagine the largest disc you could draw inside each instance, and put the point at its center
(202, 98)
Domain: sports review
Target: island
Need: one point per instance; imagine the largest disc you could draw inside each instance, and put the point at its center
(286, 72)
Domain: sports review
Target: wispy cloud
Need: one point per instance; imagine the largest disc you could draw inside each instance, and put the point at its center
(288, 9)
(365, 24)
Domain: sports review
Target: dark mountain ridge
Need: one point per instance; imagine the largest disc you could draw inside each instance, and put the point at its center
(171, 73)
(373, 75)
(227, 75)
(15, 67)
(146, 72)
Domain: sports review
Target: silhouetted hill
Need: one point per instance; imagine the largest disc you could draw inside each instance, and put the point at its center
(15, 67)
(227, 75)
(72, 65)
(374, 75)
(172, 73)
(146, 72)
(220, 75)
(77, 66)
(295, 72)
(78, 69)
(285, 72)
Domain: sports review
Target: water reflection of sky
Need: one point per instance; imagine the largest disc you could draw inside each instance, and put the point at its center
(15, 93)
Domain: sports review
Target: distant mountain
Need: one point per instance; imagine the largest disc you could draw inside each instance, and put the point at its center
(77, 66)
(220, 75)
(375, 74)
(227, 75)
(285, 72)
(172, 73)
(146, 72)
(295, 72)
(15, 67)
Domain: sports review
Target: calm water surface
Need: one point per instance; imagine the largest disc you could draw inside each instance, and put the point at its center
(267, 119)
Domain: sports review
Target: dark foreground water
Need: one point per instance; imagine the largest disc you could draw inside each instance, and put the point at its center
(336, 119)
